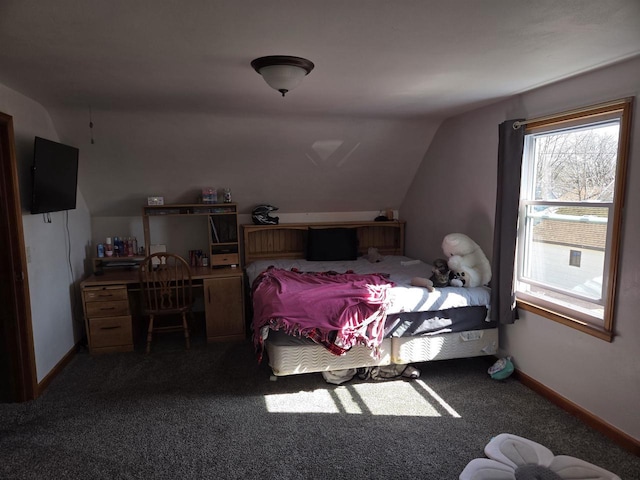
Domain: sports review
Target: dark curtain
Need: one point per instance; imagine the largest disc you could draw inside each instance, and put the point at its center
(510, 147)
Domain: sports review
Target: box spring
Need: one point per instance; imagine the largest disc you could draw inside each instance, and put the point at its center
(444, 346)
(290, 355)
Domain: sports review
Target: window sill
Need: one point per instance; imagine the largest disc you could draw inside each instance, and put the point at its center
(597, 332)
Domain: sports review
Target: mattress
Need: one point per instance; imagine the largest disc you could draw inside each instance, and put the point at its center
(403, 296)
(450, 320)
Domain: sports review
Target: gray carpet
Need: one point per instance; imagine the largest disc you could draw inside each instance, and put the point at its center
(212, 412)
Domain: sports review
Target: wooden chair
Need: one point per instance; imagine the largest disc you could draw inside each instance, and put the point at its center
(165, 283)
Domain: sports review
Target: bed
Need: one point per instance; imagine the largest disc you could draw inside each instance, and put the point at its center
(411, 324)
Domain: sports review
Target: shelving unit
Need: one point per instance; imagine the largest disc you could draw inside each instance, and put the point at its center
(223, 239)
(223, 228)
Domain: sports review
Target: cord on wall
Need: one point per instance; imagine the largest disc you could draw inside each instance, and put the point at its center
(74, 297)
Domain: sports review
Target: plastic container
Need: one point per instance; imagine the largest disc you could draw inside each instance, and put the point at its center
(100, 250)
(108, 248)
(209, 195)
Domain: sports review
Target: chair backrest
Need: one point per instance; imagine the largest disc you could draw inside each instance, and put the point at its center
(165, 283)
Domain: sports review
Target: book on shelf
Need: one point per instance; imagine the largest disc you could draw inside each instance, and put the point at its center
(214, 230)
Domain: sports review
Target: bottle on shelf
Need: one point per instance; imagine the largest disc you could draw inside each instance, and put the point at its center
(116, 247)
(108, 248)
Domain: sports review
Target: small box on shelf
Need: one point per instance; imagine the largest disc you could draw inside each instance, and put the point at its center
(209, 195)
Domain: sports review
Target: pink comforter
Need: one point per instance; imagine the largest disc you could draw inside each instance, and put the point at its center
(337, 310)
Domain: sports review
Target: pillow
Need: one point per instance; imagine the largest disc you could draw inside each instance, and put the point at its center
(326, 244)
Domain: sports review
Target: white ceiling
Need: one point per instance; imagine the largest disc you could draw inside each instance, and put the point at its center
(174, 97)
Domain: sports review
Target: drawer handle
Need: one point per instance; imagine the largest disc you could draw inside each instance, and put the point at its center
(107, 308)
(110, 328)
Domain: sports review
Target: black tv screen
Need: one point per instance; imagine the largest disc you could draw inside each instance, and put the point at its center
(55, 176)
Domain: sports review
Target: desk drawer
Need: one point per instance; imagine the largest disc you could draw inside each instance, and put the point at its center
(103, 294)
(225, 259)
(110, 331)
(107, 309)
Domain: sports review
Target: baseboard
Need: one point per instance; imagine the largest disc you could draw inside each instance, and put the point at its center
(619, 437)
(42, 386)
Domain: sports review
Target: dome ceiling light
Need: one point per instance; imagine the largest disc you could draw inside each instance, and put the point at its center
(282, 72)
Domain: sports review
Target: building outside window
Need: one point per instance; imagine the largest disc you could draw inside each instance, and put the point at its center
(572, 189)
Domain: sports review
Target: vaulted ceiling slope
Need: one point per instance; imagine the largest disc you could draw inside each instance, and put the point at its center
(177, 107)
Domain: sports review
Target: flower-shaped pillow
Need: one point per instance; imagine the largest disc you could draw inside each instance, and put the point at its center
(516, 458)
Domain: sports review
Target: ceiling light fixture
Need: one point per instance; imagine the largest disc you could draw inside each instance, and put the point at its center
(282, 72)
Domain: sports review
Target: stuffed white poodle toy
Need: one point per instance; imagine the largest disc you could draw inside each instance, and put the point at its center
(467, 260)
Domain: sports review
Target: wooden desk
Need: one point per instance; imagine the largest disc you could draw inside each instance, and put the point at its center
(107, 300)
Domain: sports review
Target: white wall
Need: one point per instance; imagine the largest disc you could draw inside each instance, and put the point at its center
(454, 190)
(286, 160)
(56, 307)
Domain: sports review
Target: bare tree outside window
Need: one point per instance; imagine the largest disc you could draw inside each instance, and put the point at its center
(577, 165)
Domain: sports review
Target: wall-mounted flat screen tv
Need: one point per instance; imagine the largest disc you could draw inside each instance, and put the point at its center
(55, 176)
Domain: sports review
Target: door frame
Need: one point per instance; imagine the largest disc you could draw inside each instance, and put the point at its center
(16, 323)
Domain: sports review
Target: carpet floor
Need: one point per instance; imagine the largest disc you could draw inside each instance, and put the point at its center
(213, 412)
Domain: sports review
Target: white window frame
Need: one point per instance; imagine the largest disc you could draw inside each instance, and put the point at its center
(572, 317)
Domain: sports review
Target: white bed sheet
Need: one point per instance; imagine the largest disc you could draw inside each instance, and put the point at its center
(404, 296)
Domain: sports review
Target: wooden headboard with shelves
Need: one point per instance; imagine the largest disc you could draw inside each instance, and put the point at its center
(264, 242)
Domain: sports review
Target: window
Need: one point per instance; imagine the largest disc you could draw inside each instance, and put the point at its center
(574, 257)
(571, 197)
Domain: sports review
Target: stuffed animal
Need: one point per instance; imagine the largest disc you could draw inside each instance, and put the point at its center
(373, 255)
(457, 279)
(466, 260)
